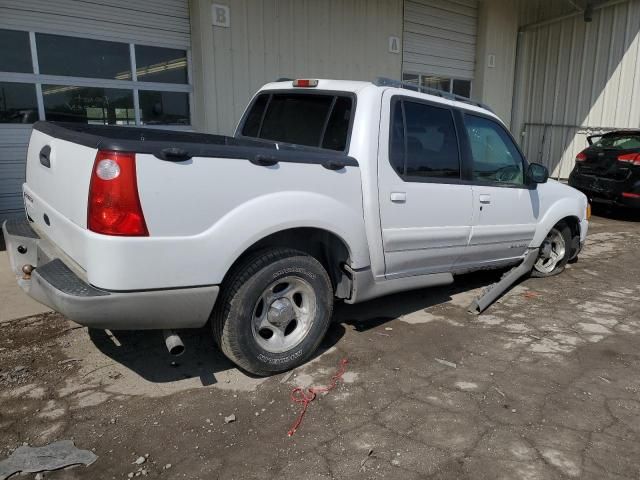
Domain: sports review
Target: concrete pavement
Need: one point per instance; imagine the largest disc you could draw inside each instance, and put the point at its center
(14, 303)
(545, 385)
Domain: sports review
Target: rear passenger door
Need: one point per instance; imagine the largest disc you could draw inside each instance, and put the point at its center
(506, 208)
(425, 208)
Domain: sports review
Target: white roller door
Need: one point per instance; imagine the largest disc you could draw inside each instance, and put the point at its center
(159, 23)
(440, 37)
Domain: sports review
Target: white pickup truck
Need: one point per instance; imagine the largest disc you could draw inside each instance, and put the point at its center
(328, 190)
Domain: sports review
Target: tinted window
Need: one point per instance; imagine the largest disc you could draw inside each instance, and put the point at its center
(462, 88)
(335, 136)
(311, 120)
(166, 65)
(95, 105)
(396, 144)
(430, 142)
(495, 156)
(254, 117)
(164, 108)
(15, 52)
(296, 119)
(18, 103)
(81, 57)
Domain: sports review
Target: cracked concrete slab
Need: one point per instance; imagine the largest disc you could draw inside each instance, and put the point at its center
(546, 385)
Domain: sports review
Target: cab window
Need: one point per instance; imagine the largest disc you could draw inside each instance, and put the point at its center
(496, 159)
(423, 142)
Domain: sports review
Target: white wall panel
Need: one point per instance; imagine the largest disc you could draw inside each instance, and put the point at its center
(270, 39)
(440, 37)
(163, 22)
(574, 78)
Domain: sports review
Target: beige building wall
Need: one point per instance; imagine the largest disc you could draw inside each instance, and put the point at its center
(270, 39)
(496, 55)
(575, 79)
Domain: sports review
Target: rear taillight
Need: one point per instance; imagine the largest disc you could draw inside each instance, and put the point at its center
(581, 157)
(630, 158)
(114, 204)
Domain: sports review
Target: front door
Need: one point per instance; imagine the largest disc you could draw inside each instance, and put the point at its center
(505, 207)
(425, 209)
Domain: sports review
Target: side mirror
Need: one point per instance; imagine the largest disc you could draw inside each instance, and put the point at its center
(538, 173)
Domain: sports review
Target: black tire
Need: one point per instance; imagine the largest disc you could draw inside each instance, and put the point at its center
(565, 231)
(232, 320)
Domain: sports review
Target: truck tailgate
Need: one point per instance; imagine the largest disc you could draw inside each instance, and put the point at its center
(57, 189)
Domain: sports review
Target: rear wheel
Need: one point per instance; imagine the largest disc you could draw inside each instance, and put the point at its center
(555, 252)
(274, 310)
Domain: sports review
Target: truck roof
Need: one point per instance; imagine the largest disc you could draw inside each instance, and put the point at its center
(355, 86)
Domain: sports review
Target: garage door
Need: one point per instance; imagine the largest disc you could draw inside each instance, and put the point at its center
(440, 43)
(139, 72)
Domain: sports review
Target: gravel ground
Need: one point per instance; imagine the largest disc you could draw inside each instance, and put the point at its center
(545, 385)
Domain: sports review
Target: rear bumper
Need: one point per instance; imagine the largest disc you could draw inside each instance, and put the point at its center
(605, 190)
(55, 285)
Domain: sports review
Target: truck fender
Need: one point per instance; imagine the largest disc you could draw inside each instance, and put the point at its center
(560, 209)
(254, 220)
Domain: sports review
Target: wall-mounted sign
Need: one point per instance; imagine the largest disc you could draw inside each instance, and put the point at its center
(221, 16)
(491, 61)
(394, 44)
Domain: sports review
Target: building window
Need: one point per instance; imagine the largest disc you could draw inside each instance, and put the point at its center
(18, 103)
(95, 105)
(82, 57)
(84, 80)
(456, 86)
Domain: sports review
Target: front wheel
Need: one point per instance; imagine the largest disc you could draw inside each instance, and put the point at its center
(274, 311)
(555, 252)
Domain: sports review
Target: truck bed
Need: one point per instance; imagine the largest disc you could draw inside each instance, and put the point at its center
(180, 146)
(205, 200)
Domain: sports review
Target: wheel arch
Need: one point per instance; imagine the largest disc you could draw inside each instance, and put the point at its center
(330, 249)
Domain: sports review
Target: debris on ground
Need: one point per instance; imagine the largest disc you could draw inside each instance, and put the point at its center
(231, 418)
(50, 457)
(364, 460)
(287, 376)
(298, 395)
(140, 460)
(447, 363)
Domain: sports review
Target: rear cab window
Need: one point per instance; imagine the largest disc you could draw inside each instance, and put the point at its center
(321, 120)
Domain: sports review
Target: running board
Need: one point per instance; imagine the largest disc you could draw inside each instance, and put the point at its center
(494, 291)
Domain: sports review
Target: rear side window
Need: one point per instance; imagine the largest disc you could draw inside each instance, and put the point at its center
(313, 120)
(423, 142)
(619, 141)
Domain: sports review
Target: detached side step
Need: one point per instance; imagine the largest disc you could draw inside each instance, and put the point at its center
(493, 292)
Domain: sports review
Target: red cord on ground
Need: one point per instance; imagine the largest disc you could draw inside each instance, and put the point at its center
(298, 394)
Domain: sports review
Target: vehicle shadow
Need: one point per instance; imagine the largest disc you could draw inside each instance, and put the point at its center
(144, 352)
(616, 213)
(372, 314)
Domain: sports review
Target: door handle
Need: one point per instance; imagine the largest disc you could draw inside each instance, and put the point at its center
(485, 198)
(398, 197)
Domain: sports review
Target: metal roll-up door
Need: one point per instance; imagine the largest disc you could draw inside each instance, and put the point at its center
(440, 37)
(155, 23)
